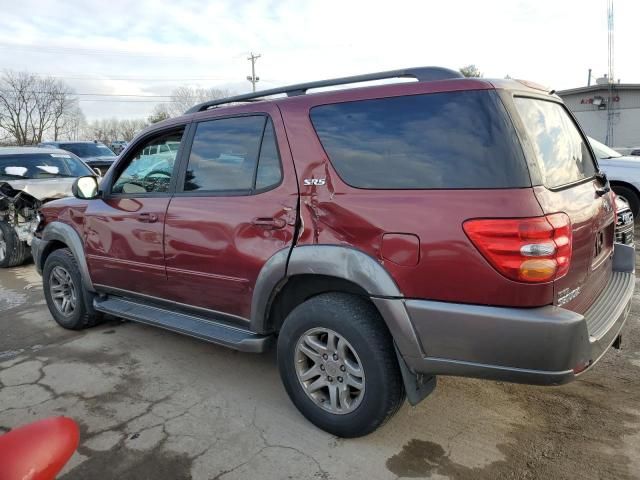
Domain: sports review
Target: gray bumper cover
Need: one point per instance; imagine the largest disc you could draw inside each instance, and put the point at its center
(536, 346)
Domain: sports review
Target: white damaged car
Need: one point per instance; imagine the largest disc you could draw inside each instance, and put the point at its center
(29, 177)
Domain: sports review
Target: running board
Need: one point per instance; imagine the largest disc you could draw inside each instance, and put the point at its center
(210, 331)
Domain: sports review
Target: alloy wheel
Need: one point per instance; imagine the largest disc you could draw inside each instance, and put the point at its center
(329, 370)
(63, 290)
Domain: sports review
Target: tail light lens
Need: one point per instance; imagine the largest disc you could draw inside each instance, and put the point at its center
(529, 250)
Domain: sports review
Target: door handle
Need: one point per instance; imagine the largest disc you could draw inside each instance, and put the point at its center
(269, 223)
(148, 217)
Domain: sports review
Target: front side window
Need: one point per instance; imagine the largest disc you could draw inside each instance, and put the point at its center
(233, 155)
(562, 154)
(432, 141)
(150, 168)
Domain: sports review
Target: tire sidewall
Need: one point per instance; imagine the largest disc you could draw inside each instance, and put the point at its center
(631, 197)
(61, 258)
(365, 418)
(10, 239)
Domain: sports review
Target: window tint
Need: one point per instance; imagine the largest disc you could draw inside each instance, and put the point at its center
(269, 170)
(150, 168)
(440, 140)
(224, 154)
(562, 154)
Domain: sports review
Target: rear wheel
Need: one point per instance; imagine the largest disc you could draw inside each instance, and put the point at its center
(66, 298)
(13, 252)
(629, 196)
(338, 364)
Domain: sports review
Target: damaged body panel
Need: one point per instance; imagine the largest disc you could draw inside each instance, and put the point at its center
(30, 177)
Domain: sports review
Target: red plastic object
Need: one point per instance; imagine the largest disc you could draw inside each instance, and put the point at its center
(39, 450)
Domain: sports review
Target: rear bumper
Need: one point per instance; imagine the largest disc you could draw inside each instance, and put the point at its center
(543, 346)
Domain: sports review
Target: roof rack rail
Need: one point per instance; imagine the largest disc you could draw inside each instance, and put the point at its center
(422, 74)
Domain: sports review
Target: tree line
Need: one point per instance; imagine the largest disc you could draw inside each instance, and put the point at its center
(35, 108)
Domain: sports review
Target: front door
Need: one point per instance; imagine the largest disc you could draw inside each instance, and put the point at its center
(234, 207)
(124, 229)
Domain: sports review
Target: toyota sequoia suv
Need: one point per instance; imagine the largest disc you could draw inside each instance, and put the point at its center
(379, 235)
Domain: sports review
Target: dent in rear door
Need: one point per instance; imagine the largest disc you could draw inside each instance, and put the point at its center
(219, 234)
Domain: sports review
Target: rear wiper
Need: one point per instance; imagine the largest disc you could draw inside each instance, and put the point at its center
(602, 178)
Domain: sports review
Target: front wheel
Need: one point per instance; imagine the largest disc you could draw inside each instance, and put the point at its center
(13, 252)
(66, 298)
(338, 364)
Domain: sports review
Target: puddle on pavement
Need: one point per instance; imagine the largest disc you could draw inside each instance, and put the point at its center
(417, 459)
(14, 284)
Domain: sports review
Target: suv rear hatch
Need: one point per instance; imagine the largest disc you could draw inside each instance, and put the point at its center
(564, 175)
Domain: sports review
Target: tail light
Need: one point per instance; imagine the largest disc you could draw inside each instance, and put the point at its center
(530, 250)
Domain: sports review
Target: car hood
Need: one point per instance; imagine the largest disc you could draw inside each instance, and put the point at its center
(625, 161)
(44, 189)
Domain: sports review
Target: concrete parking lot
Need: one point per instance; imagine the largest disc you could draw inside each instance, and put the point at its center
(156, 405)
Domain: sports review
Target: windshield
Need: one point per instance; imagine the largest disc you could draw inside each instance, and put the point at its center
(84, 150)
(602, 151)
(41, 165)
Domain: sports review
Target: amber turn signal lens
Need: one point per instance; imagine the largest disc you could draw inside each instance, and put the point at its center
(537, 270)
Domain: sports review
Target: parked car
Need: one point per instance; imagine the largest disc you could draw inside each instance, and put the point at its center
(623, 173)
(30, 177)
(381, 236)
(117, 146)
(95, 154)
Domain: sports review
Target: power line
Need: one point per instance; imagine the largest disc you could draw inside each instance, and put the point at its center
(87, 51)
(72, 94)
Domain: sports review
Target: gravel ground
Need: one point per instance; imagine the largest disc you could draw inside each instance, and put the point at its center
(156, 405)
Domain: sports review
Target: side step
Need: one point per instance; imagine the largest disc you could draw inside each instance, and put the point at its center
(210, 331)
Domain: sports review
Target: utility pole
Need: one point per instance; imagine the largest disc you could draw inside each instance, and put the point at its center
(253, 78)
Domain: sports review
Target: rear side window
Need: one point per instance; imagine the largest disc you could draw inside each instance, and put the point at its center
(562, 154)
(434, 141)
(233, 154)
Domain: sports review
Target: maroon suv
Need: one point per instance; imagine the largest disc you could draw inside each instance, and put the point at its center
(383, 235)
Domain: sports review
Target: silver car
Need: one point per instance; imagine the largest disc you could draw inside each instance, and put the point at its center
(623, 173)
(29, 177)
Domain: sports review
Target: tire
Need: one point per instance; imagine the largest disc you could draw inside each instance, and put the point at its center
(61, 279)
(366, 341)
(630, 196)
(13, 252)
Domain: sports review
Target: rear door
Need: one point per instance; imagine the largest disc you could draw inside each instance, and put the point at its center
(235, 206)
(566, 172)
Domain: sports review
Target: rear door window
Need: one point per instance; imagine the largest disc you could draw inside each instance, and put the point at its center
(562, 153)
(233, 155)
(433, 141)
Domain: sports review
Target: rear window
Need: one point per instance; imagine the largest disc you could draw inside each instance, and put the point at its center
(434, 141)
(562, 154)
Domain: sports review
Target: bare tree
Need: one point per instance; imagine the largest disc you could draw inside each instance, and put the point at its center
(30, 106)
(471, 71)
(183, 98)
(106, 130)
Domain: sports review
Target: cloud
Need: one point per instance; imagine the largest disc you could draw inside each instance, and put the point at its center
(129, 47)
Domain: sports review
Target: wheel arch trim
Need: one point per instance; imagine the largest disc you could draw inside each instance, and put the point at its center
(341, 262)
(66, 234)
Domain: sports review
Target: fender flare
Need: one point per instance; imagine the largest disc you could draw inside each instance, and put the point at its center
(66, 234)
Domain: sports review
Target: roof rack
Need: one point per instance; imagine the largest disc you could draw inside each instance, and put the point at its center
(422, 74)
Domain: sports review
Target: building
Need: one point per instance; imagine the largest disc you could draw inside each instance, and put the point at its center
(591, 107)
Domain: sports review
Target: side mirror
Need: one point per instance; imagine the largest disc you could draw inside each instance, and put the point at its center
(85, 188)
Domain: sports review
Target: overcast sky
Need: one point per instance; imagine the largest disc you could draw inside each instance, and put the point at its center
(149, 47)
